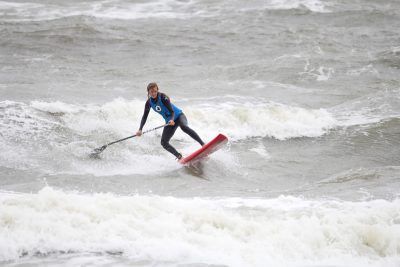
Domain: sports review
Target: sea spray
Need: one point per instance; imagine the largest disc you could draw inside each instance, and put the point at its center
(227, 231)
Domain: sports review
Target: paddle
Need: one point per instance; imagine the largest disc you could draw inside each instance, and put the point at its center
(98, 150)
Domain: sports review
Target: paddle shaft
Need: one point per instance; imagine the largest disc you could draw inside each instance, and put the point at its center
(123, 139)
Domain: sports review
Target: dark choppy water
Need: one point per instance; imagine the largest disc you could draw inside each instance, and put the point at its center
(307, 91)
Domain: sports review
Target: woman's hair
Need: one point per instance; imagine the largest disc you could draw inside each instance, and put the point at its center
(150, 86)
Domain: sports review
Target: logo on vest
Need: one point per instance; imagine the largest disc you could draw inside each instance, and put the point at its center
(158, 108)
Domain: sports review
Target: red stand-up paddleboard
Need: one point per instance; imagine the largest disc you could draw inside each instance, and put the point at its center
(206, 150)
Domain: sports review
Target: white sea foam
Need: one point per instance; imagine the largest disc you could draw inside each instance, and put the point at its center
(284, 231)
(369, 69)
(319, 73)
(256, 5)
(240, 120)
(313, 5)
(57, 107)
(126, 10)
(169, 9)
(260, 149)
(110, 9)
(253, 119)
(368, 109)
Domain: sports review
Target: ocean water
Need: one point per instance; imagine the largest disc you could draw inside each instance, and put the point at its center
(307, 91)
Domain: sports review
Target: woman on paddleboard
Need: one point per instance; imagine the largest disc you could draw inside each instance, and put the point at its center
(172, 115)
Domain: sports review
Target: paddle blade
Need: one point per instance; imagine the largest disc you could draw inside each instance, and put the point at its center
(96, 152)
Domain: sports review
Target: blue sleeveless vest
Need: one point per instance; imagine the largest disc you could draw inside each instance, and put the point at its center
(161, 109)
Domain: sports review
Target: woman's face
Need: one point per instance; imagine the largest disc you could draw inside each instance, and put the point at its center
(153, 92)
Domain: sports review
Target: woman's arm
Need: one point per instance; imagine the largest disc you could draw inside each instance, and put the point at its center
(144, 117)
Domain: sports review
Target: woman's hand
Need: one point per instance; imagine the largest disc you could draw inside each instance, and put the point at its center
(139, 133)
(171, 123)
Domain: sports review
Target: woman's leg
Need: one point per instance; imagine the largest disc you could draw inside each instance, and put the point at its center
(168, 132)
(184, 126)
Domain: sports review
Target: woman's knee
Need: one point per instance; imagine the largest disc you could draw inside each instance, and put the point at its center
(164, 143)
(185, 128)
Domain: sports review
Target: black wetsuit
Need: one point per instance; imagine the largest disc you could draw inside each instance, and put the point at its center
(169, 130)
